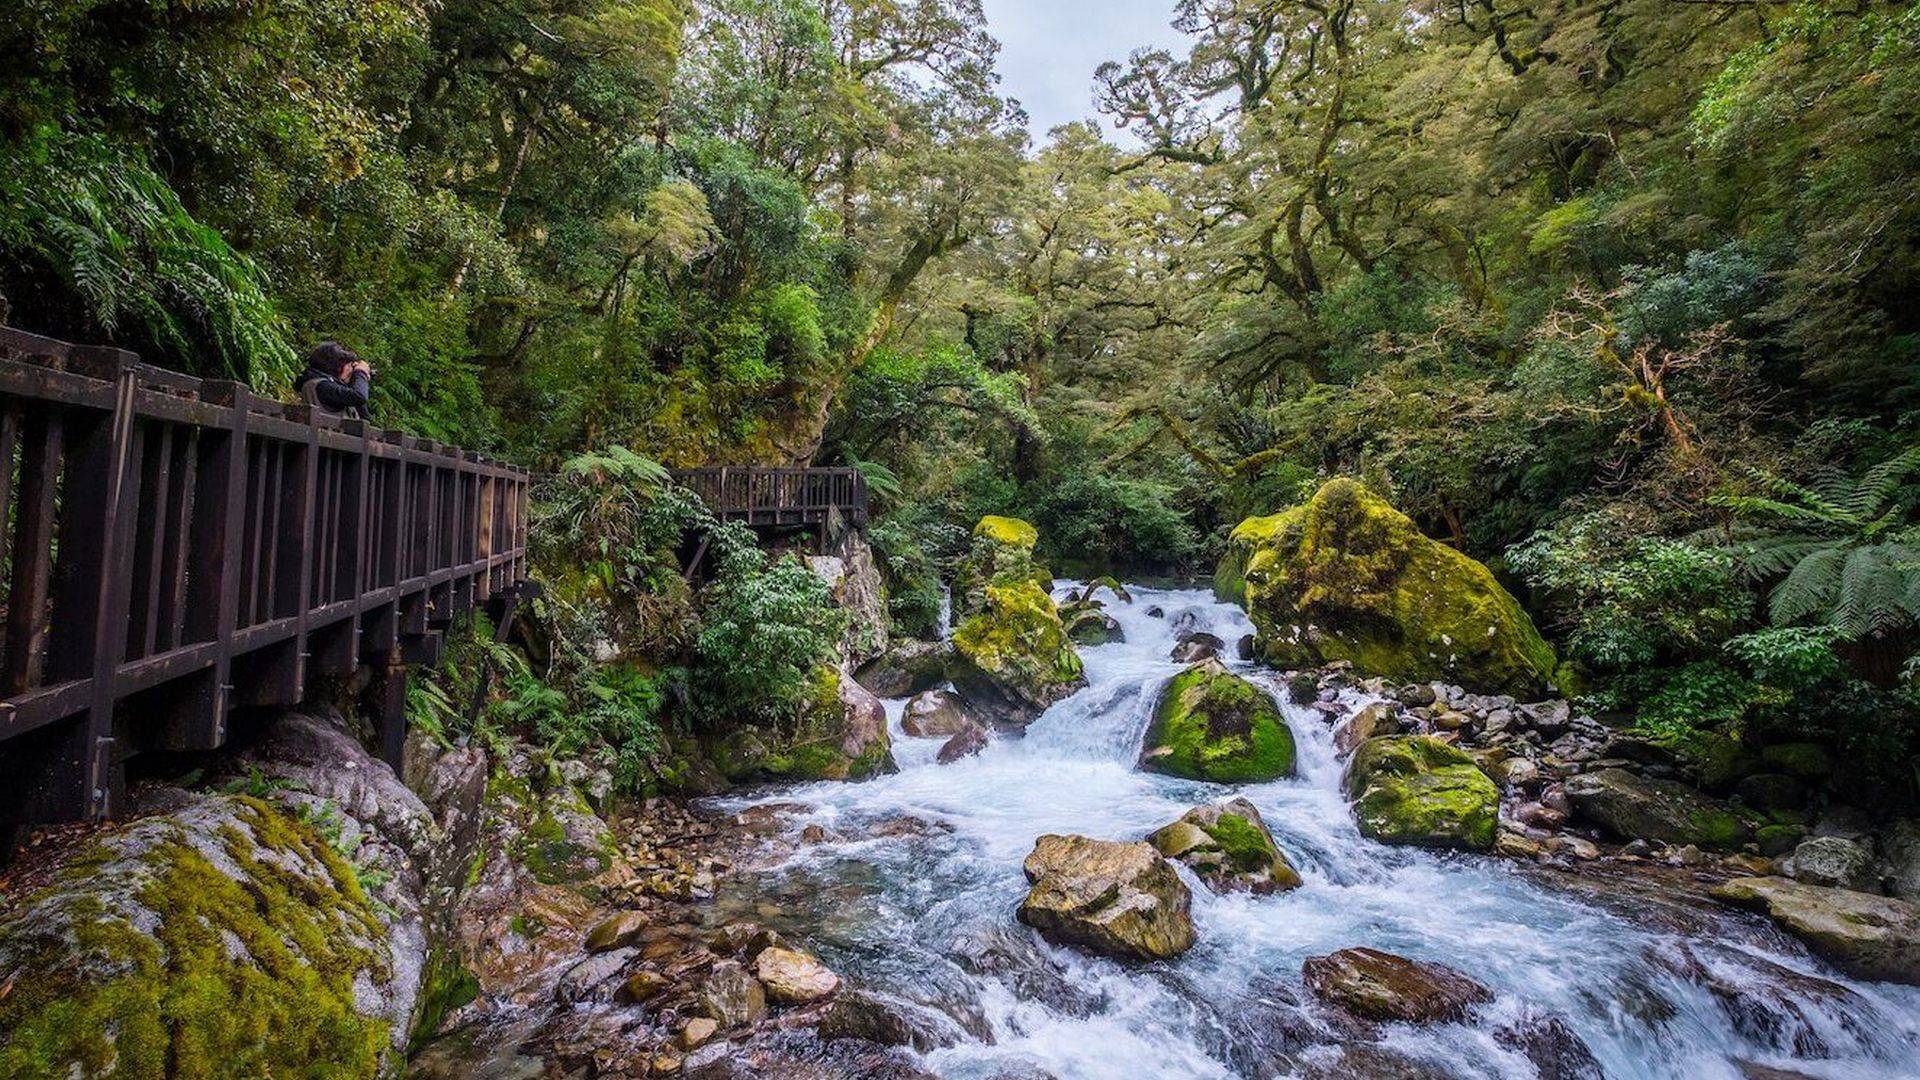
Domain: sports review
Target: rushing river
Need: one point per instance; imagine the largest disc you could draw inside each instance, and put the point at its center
(927, 916)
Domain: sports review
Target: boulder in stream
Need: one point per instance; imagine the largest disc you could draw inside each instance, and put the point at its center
(1087, 624)
(1211, 724)
(1416, 789)
(793, 977)
(908, 667)
(1000, 553)
(935, 714)
(965, 743)
(1345, 576)
(1196, 645)
(841, 734)
(1864, 935)
(1634, 807)
(1115, 898)
(1013, 659)
(1835, 861)
(1381, 986)
(1229, 846)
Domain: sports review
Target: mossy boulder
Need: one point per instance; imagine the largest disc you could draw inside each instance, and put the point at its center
(1229, 847)
(1001, 553)
(1088, 624)
(1416, 789)
(1866, 936)
(1633, 807)
(1211, 724)
(1345, 576)
(840, 734)
(906, 668)
(1013, 659)
(221, 938)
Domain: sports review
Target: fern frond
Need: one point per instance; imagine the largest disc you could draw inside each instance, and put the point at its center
(1808, 588)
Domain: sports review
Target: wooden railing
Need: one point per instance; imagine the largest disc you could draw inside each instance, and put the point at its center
(174, 548)
(757, 495)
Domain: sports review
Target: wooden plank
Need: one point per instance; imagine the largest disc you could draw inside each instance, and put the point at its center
(27, 616)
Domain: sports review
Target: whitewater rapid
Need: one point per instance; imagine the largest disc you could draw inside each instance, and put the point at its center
(926, 916)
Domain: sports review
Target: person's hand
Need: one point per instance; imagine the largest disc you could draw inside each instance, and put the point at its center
(361, 367)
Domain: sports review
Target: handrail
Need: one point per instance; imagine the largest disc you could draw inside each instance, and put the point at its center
(779, 495)
(175, 548)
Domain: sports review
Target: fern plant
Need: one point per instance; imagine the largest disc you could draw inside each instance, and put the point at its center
(1846, 551)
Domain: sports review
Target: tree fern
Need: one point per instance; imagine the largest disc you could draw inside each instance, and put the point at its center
(1845, 551)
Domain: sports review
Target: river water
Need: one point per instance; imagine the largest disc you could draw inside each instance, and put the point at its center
(913, 892)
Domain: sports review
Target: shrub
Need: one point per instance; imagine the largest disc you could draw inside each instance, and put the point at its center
(766, 629)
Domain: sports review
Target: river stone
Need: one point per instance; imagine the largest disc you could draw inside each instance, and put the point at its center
(1088, 625)
(1196, 645)
(965, 743)
(1116, 898)
(618, 931)
(594, 978)
(1634, 807)
(1346, 577)
(1229, 847)
(793, 977)
(1553, 1048)
(1211, 724)
(1416, 789)
(907, 668)
(1013, 658)
(731, 996)
(1376, 719)
(1831, 860)
(935, 713)
(1381, 986)
(1864, 935)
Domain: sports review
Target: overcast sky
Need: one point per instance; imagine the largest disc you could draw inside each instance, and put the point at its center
(1049, 48)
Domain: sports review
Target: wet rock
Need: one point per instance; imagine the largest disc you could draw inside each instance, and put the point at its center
(1553, 1048)
(965, 743)
(697, 1031)
(1211, 724)
(1539, 816)
(595, 978)
(1376, 719)
(1091, 626)
(1303, 687)
(1830, 860)
(935, 713)
(1195, 646)
(618, 931)
(1116, 898)
(907, 668)
(1630, 807)
(793, 977)
(1347, 577)
(1774, 1005)
(1013, 659)
(1868, 936)
(1415, 789)
(731, 996)
(641, 986)
(857, 1014)
(1244, 648)
(1381, 986)
(1229, 847)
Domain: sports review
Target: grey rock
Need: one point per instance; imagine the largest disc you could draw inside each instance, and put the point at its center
(1833, 861)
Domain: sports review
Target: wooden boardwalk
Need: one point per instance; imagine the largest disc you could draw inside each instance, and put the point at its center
(757, 495)
(172, 549)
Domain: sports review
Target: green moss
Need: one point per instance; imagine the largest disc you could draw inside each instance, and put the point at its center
(243, 976)
(1347, 577)
(445, 987)
(1007, 532)
(1809, 761)
(1213, 725)
(1018, 641)
(1001, 554)
(1242, 842)
(1416, 789)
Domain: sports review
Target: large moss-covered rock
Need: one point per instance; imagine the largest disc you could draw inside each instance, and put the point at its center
(840, 734)
(1211, 724)
(906, 668)
(1229, 846)
(1120, 899)
(1347, 577)
(1013, 658)
(1415, 789)
(1001, 554)
(220, 938)
(1867, 936)
(1634, 807)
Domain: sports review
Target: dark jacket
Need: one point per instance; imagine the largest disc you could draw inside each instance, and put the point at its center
(321, 388)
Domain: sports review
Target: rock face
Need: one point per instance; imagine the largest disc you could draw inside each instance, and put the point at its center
(1013, 658)
(1211, 724)
(1901, 844)
(1347, 577)
(1115, 898)
(1381, 986)
(859, 587)
(1001, 553)
(1416, 789)
(1634, 807)
(1867, 936)
(908, 667)
(1229, 847)
(935, 713)
(841, 735)
(219, 937)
